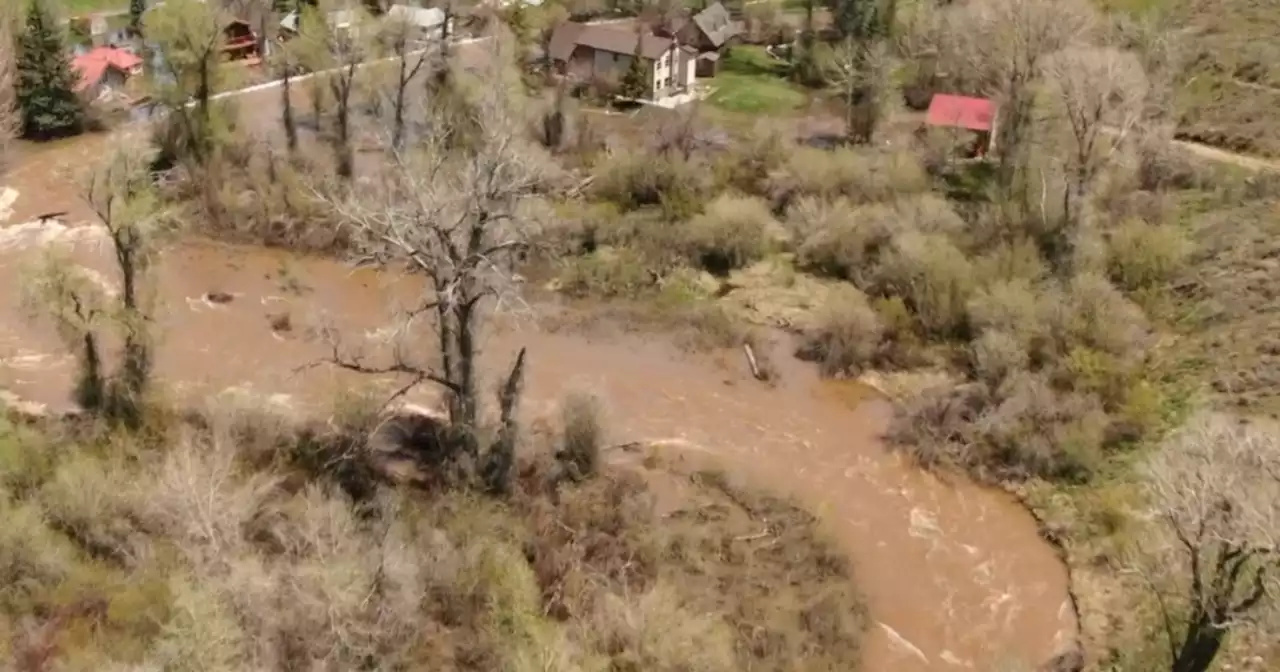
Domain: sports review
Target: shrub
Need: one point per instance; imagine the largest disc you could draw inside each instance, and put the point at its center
(1091, 312)
(583, 435)
(655, 632)
(996, 355)
(1036, 431)
(86, 501)
(732, 233)
(1017, 260)
(933, 277)
(1021, 430)
(748, 164)
(861, 175)
(606, 273)
(846, 337)
(928, 213)
(1144, 256)
(1013, 308)
(839, 239)
(26, 459)
(32, 556)
(637, 180)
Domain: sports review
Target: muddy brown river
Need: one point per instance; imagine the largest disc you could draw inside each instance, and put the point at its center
(956, 575)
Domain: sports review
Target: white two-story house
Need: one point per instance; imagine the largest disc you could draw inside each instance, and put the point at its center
(588, 52)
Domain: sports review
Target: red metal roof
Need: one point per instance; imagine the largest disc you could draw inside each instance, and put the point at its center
(975, 114)
(93, 64)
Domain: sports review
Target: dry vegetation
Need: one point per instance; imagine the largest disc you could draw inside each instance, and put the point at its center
(229, 540)
(1083, 289)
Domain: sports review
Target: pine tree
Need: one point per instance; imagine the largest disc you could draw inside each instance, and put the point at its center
(636, 81)
(136, 9)
(46, 84)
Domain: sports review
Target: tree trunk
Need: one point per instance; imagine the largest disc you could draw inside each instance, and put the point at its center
(1200, 647)
(202, 111)
(290, 127)
(397, 129)
(89, 390)
(343, 141)
(501, 456)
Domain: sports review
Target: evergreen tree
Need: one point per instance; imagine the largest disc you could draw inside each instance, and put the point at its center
(635, 82)
(863, 19)
(46, 83)
(136, 9)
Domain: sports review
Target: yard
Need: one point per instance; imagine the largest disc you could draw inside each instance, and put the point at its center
(752, 81)
(81, 7)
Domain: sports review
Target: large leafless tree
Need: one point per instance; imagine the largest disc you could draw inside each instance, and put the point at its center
(446, 213)
(997, 48)
(1099, 94)
(1214, 492)
(859, 71)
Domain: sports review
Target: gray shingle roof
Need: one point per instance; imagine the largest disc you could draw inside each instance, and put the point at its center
(603, 38)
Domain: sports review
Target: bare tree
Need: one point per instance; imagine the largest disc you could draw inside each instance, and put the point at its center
(285, 61)
(338, 51)
(1214, 489)
(997, 48)
(189, 37)
(120, 192)
(398, 37)
(1100, 95)
(860, 72)
(446, 213)
(69, 298)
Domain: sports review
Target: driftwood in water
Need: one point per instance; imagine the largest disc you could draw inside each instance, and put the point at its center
(751, 362)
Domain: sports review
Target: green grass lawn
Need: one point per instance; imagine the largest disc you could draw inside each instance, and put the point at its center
(752, 81)
(78, 7)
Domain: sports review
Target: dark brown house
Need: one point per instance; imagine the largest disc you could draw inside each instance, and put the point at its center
(240, 43)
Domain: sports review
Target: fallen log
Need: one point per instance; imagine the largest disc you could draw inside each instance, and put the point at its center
(751, 362)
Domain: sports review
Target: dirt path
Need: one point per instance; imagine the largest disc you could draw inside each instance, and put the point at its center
(1210, 153)
(956, 576)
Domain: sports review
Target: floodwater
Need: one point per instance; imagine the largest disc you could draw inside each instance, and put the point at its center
(956, 575)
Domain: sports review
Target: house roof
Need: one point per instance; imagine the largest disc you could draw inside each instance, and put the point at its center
(975, 114)
(569, 35)
(93, 64)
(716, 24)
(422, 17)
(340, 18)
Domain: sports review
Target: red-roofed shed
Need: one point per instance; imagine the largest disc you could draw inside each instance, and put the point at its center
(103, 68)
(972, 114)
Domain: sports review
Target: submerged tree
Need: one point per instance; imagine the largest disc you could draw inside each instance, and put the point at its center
(10, 121)
(446, 213)
(1215, 496)
(120, 192)
(337, 51)
(46, 86)
(398, 40)
(189, 37)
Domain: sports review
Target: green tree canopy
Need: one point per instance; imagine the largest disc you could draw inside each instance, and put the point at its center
(46, 84)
